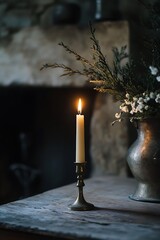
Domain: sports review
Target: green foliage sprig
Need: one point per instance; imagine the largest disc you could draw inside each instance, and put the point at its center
(98, 71)
(139, 95)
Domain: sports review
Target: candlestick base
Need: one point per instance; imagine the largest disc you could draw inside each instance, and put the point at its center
(80, 204)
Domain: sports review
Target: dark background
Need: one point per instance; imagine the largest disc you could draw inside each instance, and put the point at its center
(37, 138)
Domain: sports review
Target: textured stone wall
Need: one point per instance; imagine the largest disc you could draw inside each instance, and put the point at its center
(109, 143)
(22, 55)
(28, 40)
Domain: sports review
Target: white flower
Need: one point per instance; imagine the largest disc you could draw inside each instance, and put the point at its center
(127, 95)
(131, 112)
(152, 95)
(147, 99)
(146, 107)
(140, 100)
(124, 108)
(134, 109)
(157, 98)
(140, 107)
(127, 102)
(133, 104)
(154, 70)
(117, 115)
(135, 99)
(158, 78)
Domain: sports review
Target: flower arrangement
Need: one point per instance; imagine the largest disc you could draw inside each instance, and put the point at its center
(139, 95)
(143, 104)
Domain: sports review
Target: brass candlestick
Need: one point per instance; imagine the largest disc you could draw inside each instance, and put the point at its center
(80, 204)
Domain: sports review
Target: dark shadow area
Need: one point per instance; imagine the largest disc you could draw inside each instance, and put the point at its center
(37, 138)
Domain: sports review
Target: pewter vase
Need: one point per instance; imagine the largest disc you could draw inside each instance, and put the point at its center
(144, 161)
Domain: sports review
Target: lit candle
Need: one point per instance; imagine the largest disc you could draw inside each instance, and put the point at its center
(80, 143)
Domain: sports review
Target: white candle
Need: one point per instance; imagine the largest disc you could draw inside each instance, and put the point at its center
(80, 143)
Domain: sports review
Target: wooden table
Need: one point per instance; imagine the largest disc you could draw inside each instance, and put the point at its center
(47, 216)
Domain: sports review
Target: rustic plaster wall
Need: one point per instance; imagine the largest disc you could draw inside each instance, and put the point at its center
(109, 143)
(27, 50)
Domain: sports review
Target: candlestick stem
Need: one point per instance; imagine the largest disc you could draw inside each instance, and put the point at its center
(80, 204)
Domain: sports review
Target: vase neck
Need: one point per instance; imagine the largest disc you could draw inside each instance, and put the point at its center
(149, 127)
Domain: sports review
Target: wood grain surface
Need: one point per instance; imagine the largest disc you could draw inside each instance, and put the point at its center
(47, 215)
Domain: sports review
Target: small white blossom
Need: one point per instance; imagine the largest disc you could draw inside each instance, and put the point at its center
(157, 98)
(146, 99)
(146, 107)
(133, 104)
(131, 112)
(127, 102)
(124, 108)
(135, 99)
(154, 70)
(140, 100)
(158, 78)
(134, 109)
(152, 95)
(127, 95)
(117, 115)
(140, 107)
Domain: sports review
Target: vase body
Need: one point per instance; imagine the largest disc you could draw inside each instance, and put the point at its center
(144, 161)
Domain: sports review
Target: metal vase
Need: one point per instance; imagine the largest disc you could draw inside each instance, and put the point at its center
(144, 161)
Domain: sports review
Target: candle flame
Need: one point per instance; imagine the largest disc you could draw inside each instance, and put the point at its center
(80, 106)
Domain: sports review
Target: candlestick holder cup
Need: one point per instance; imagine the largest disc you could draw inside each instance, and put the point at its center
(80, 204)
